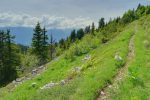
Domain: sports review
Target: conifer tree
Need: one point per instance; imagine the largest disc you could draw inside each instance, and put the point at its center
(62, 43)
(93, 28)
(52, 45)
(87, 29)
(9, 59)
(101, 23)
(39, 44)
(73, 36)
(80, 33)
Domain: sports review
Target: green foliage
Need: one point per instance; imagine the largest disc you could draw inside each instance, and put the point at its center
(92, 28)
(87, 30)
(128, 17)
(62, 43)
(105, 39)
(101, 23)
(9, 58)
(134, 77)
(73, 36)
(83, 47)
(80, 33)
(40, 44)
(120, 63)
(28, 61)
(88, 64)
(136, 82)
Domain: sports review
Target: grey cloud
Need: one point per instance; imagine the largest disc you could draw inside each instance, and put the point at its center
(11, 19)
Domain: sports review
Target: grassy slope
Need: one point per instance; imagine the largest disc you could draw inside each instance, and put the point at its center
(139, 88)
(87, 83)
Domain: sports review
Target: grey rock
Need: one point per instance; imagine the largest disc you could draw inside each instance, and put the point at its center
(62, 82)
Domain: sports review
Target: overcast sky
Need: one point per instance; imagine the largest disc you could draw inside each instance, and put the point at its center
(62, 13)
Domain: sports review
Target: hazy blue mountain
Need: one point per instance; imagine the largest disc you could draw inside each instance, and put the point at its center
(23, 35)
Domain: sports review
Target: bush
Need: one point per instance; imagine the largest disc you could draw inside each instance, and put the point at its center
(147, 44)
(28, 61)
(120, 63)
(83, 47)
(105, 39)
(70, 54)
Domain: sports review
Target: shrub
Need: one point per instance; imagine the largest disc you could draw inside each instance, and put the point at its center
(120, 63)
(83, 47)
(28, 61)
(147, 44)
(105, 39)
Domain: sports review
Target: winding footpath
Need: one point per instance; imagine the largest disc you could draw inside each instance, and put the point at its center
(104, 93)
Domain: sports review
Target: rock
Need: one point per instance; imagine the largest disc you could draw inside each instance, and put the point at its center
(13, 81)
(62, 82)
(102, 93)
(118, 58)
(28, 78)
(34, 71)
(18, 80)
(77, 69)
(41, 67)
(87, 57)
(49, 85)
(110, 86)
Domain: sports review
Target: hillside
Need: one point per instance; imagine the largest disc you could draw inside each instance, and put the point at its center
(95, 75)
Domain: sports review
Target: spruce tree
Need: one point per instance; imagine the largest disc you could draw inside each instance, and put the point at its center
(45, 45)
(80, 33)
(101, 23)
(9, 59)
(62, 43)
(39, 44)
(52, 45)
(73, 36)
(93, 28)
(87, 29)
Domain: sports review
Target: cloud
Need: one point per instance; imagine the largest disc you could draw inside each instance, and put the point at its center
(25, 20)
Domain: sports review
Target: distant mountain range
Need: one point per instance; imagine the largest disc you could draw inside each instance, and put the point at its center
(23, 35)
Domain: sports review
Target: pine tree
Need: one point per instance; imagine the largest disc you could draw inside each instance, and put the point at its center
(62, 43)
(73, 36)
(52, 45)
(44, 45)
(8, 57)
(101, 23)
(80, 33)
(39, 44)
(87, 29)
(93, 28)
(45, 37)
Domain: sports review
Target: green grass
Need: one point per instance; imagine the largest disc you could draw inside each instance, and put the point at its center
(87, 83)
(57, 70)
(139, 88)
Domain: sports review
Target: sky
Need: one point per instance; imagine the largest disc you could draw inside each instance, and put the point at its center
(62, 13)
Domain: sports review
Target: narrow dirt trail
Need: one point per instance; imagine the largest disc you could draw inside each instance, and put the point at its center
(104, 93)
